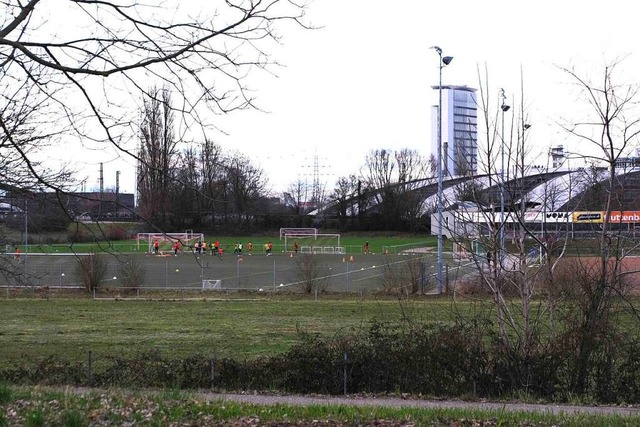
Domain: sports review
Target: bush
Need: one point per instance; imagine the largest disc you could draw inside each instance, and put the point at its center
(91, 270)
(310, 271)
(116, 232)
(403, 279)
(80, 234)
(131, 273)
(446, 361)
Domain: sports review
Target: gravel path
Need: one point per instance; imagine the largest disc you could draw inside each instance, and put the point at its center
(260, 399)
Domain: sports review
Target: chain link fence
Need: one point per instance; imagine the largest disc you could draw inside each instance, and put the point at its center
(190, 275)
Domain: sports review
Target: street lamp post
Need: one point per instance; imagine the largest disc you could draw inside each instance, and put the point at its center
(443, 61)
(504, 107)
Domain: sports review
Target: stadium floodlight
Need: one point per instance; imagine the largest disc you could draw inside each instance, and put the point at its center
(443, 61)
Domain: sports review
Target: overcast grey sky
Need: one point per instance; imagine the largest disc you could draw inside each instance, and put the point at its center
(363, 81)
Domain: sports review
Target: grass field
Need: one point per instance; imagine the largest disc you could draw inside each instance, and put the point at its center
(58, 241)
(31, 329)
(352, 244)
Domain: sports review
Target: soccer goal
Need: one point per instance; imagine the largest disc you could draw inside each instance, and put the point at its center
(166, 240)
(298, 232)
(319, 240)
(211, 284)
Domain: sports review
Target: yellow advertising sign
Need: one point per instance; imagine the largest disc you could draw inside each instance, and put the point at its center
(588, 217)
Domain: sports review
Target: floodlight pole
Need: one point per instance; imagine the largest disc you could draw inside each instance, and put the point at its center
(441, 64)
(504, 107)
(26, 233)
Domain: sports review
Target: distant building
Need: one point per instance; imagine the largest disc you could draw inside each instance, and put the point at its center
(78, 206)
(626, 163)
(557, 157)
(105, 206)
(459, 130)
(6, 209)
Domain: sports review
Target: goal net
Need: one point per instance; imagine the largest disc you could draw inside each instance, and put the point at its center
(211, 284)
(298, 232)
(166, 240)
(306, 242)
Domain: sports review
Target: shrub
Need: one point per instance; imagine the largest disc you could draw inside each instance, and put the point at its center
(312, 366)
(403, 279)
(132, 273)
(446, 361)
(79, 234)
(91, 270)
(116, 232)
(310, 271)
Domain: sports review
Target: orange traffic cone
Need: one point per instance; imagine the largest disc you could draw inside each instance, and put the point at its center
(351, 258)
(291, 255)
(344, 259)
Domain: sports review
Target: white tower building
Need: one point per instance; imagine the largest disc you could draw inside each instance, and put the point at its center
(459, 130)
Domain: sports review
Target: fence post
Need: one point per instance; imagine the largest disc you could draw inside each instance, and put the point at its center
(90, 370)
(346, 261)
(446, 280)
(344, 374)
(213, 370)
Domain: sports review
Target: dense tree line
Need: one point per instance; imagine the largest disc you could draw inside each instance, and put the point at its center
(197, 186)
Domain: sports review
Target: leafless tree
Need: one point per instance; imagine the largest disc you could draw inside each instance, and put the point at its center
(344, 198)
(22, 137)
(526, 289)
(610, 128)
(246, 183)
(379, 168)
(91, 270)
(499, 244)
(212, 174)
(186, 197)
(157, 157)
(393, 177)
(403, 279)
(311, 273)
(131, 274)
(298, 199)
(69, 72)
